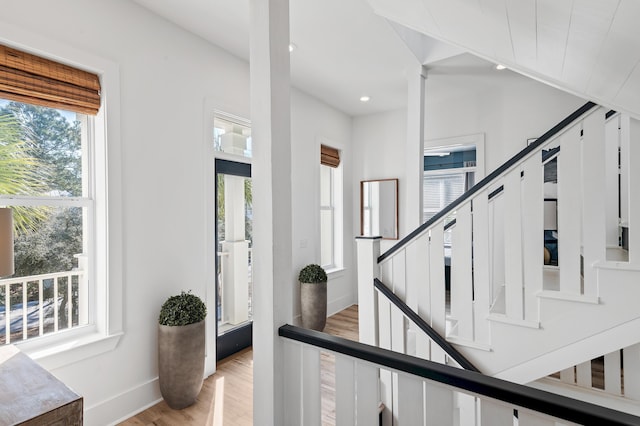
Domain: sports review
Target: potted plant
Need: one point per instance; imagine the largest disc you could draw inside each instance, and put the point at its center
(181, 349)
(313, 297)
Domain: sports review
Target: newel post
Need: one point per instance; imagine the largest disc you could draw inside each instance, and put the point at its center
(368, 250)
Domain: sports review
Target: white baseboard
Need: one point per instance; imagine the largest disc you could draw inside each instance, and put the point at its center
(124, 405)
(339, 304)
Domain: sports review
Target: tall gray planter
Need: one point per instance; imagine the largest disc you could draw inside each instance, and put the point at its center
(181, 363)
(313, 305)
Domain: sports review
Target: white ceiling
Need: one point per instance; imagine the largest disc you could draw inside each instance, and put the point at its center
(343, 50)
(346, 49)
(588, 47)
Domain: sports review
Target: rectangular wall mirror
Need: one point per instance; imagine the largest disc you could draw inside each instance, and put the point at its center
(379, 208)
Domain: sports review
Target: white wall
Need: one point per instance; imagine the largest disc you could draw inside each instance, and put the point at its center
(314, 123)
(378, 152)
(166, 74)
(508, 116)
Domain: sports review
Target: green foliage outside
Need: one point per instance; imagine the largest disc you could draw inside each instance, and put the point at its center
(40, 155)
(183, 309)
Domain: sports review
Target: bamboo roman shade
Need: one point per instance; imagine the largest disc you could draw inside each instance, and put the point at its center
(31, 79)
(329, 156)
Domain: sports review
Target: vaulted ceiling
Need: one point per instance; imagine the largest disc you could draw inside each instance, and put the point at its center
(588, 47)
(349, 48)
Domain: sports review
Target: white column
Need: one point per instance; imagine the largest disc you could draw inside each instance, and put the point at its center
(414, 149)
(235, 277)
(274, 277)
(368, 250)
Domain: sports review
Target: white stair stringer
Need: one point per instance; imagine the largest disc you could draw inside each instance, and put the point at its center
(570, 332)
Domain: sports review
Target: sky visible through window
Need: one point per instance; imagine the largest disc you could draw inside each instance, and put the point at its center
(68, 115)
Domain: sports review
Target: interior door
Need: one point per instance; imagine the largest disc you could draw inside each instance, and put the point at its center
(234, 283)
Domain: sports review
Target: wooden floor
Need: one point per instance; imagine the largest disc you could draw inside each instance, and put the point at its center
(226, 398)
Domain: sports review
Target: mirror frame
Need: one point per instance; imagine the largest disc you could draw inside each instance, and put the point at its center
(396, 227)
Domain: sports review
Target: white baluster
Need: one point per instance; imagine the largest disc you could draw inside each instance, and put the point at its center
(436, 279)
(384, 341)
(481, 283)
(55, 304)
(631, 356)
(368, 397)
(311, 401)
(594, 193)
(612, 143)
(70, 301)
(583, 374)
(25, 319)
(612, 378)
(533, 234)
(292, 358)
(569, 217)
(461, 275)
(494, 413)
(410, 401)
(568, 375)
(41, 306)
(439, 402)
(345, 391)
(514, 308)
(634, 193)
(530, 418)
(398, 321)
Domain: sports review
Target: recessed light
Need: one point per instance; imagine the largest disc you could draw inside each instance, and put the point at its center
(500, 67)
(292, 47)
(365, 98)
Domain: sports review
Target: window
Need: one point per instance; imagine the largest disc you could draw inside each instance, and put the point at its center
(330, 208)
(447, 175)
(231, 135)
(53, 175)
(327, 217)
(46, 168)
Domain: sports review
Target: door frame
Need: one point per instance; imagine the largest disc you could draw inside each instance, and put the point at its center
(240, 337)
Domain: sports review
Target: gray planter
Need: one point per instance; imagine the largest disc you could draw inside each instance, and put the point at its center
(313, 305)
(181, 363)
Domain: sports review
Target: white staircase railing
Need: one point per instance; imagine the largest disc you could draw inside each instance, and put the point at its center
(33, 306)
(506, 311)
(428, 393)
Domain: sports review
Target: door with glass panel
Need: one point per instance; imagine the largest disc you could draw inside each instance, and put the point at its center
(233, 259)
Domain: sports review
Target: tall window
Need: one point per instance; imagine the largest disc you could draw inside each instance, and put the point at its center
(46, 169)
(327, 217)
(330, 208)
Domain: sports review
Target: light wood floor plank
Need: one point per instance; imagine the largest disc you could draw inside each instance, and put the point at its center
(234, 379)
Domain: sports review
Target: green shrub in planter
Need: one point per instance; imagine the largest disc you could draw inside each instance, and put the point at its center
(313, 297)
(181, 349)
(312, 274)
(183, 309)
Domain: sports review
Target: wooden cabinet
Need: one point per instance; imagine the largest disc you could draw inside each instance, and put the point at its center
(30, 395)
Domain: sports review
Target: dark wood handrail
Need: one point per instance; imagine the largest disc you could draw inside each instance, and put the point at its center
(544, 402)
(417, 320)
(490, 178)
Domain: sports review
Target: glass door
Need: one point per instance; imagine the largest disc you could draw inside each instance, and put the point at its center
(233, 260)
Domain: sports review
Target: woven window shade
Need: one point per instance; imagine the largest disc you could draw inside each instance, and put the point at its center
(329, 156)
(31, 79)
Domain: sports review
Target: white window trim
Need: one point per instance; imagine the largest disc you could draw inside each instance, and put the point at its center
(106, 329)
(337, 201)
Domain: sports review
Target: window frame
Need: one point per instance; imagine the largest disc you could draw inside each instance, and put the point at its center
(337, 207)
(105, 291)
(330, 208)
